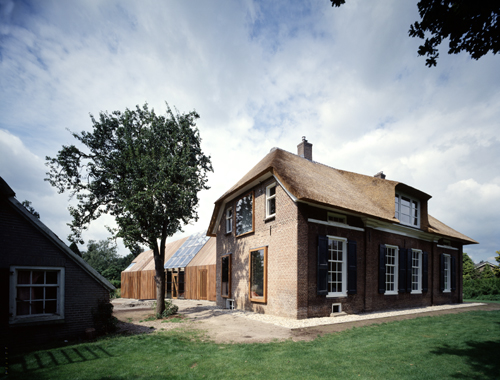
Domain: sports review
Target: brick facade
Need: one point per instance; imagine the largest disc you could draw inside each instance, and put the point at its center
(292, 240)
(24, 245)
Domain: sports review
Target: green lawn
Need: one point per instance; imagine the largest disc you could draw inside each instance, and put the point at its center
(481, 301)
(454, 346)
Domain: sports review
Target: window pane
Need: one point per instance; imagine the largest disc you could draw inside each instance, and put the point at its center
(38, 277)
(51, 307)
(405, 202)
(51, 293)
(272, 206)
(23, 293)
(23, 277)
(37, 307)
(37, 293)
(51, 277)
(23, 308)
(244, 218)
(272, 191)
(257, 268)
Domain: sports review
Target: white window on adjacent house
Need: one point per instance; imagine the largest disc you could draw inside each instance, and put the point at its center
(229, 220)
(391, 269)
(337, 268)
(447, 273)
(337, 218)
(407, 210)
(36, 294)
(271, 200)
(416, 271)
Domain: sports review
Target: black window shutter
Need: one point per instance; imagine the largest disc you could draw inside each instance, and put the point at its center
(425, 272)
(408, 270)
(402, 270)
(322, 265)
(352, 267)
(381, 269)
(453, 263)
(441, 272)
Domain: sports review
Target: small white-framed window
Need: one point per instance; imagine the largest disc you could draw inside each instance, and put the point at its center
(337, 218)
(271, 200)
(391, 269)
(337, 267)
(36, 294)
(447, 273)
(416, 271)
(407, 210)
(229, 220)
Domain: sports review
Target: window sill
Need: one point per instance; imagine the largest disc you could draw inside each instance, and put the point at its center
(446, 291)
(258, 300)
(270, 218)
(228, 233)
(336, 295)
(416, 292)
(36, 320)
(245, 233)
(391, 293)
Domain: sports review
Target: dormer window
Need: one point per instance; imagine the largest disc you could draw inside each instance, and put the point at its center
(407, 210)
(337, 218)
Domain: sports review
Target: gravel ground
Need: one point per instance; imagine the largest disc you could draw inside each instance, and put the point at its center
(223, 325)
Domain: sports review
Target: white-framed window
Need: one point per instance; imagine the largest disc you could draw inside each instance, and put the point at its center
(271, 200)
(407, 210)
(36, 294)
(337, 218)
(391, 269)
(337, 268)
(416, 271)
(229, 220)
(447, 273)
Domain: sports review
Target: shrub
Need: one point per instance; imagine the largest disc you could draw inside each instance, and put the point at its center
(170, 309)
(104, 321)
(482, 289)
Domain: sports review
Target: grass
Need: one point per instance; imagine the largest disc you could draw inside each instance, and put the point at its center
(480, 301)
(456, 346)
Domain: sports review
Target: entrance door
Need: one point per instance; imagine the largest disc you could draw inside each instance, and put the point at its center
(175, 285)
(202, 284)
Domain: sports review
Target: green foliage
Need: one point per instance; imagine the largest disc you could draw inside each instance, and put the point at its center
(104, 321)
(469, 269)
(487, 272)
(143, 169)
(31, 210)
(482, 289)
(469, 25)
(75, 249)
(496, 269)
(169, 309)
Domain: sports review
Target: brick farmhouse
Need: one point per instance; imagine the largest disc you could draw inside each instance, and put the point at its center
(300, 239)
(47, 291)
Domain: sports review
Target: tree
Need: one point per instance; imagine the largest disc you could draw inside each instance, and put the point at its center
(101, 255)
(470, 25)
(496, 270)
(469, 269)
(142, 168)
(74, 247)
(31, 210)
(487, 272)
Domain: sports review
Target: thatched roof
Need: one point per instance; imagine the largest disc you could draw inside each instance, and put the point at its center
(309, 181)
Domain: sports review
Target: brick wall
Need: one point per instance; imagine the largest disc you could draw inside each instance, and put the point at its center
(22, 244)
(279, 234)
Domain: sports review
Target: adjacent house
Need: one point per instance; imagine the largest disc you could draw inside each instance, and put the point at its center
(189, 270)
(300, 239)
(48, 291)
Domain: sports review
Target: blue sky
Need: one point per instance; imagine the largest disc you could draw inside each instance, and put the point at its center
(260, 74)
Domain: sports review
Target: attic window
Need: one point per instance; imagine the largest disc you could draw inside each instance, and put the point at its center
(271, 200)
(407, 210)
(337, 218)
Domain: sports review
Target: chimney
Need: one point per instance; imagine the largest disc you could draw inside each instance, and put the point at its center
(380, 175)
(305, 149)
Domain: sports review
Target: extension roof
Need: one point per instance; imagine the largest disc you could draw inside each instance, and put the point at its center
(319, 184)
(8, 193)
(183, 256)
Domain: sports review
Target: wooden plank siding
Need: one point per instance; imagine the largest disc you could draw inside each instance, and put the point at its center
(192, 285)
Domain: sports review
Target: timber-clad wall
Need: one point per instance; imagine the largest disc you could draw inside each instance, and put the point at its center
(139, 285)
(191, 282)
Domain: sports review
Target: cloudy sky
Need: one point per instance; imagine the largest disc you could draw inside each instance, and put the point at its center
(260, 74)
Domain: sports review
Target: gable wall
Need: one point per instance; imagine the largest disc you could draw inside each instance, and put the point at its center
(22, 244)
(280, 235)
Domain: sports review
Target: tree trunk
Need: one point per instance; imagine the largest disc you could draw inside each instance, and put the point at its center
(159, 257)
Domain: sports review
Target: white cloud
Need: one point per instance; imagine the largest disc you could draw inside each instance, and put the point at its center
(260, 74)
